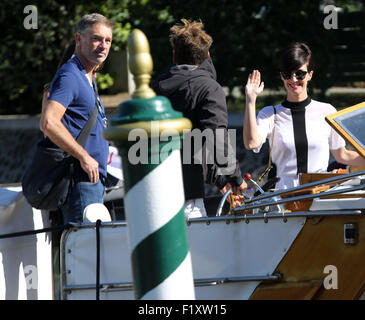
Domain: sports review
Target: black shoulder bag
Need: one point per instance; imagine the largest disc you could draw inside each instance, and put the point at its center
(47, 181)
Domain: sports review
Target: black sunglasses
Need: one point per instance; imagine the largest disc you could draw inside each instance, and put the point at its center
(299, 74)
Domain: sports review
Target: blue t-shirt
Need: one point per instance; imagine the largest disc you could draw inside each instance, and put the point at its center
(71, 88)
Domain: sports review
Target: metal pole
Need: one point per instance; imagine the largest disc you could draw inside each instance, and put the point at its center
(148, 133)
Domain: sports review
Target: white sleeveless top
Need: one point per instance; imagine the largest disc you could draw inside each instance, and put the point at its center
(321, 138)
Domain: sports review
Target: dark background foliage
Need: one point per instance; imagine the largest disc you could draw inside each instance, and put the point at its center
(247, 35)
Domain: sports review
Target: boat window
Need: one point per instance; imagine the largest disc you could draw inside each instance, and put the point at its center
(349, 124)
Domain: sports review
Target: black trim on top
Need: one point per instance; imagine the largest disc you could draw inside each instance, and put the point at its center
(297, 105)
(300, 135)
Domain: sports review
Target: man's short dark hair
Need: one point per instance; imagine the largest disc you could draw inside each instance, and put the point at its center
(90, 19)
(190, 42)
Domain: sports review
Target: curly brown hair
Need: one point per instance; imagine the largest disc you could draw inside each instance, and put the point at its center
(190, 42)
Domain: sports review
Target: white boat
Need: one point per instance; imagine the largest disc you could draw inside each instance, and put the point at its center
(306, 242)
(256, 252)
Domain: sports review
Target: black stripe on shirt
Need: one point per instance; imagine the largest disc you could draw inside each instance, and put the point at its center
(300, 135)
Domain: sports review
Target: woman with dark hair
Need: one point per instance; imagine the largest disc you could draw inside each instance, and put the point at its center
(300, 138)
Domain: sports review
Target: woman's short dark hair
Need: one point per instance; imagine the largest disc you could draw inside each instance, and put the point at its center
(294, 56)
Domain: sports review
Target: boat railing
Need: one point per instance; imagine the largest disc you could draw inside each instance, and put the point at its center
(336, 179)
(203, 282)
(267, 200)
(275, 215)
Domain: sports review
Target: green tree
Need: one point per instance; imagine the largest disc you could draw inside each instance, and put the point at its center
(247, 35)
(250, 35)
(31, 56)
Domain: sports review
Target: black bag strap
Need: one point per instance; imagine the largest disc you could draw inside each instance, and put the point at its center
(85, 132)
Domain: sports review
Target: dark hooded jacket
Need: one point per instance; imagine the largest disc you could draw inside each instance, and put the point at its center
(195, 92)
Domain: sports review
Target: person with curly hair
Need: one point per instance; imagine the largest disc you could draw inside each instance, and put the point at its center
(192, 88)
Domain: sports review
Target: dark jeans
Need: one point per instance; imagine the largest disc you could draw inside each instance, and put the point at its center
(82, 194)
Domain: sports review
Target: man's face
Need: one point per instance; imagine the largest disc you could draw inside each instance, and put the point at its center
(95, 43)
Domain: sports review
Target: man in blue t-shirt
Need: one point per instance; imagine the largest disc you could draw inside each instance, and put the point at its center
(70, 104)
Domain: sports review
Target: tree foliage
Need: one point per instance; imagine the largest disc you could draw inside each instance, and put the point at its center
(247, 35)
(30, 56)
(250, 35)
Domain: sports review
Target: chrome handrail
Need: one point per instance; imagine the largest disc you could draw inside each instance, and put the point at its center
(305, 186)
(323, 194)
(275, 195)
(223, 200)
(128, 286)
(247, 196)
(114, 188)
(223, 280)
(274, 215)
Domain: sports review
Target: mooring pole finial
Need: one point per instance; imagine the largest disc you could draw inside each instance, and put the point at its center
(153, 186)
(140, 64)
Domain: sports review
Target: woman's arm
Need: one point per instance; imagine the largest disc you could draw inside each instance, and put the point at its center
(254, 87)
(348, 157)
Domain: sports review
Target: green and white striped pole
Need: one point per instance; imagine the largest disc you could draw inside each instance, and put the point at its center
(154, 195)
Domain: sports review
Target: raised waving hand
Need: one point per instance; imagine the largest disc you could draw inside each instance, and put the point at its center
(254, 85)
